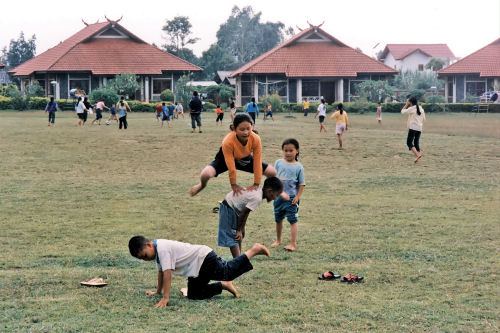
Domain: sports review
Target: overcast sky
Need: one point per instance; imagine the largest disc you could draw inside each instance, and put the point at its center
(465, 25)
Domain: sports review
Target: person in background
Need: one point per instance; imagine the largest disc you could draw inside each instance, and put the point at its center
(220, 115)
(322, 114)
(341, 122)
(99, 108)
(379, 113)
(51, 108)
(252, 109)
(416, 118)
(305, 106)
(195, 107)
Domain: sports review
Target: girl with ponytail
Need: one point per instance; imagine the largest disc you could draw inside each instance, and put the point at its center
(416, 118)
(341, 125)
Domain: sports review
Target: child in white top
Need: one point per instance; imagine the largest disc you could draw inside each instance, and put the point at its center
(416, 117)
(291, 174)
(322, 114)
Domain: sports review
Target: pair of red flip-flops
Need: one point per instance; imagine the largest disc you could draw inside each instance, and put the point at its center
(349, 278)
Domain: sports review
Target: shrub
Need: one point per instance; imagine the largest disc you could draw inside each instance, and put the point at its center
(11, 90)
(137, 106)
(35, 90)
(275, 101)
(435, 99)
(167, 95)
(470, 99)
(38, 103)
(5, 103)
(209, 106)
(109, 96)
(124, 84)
(418, 93)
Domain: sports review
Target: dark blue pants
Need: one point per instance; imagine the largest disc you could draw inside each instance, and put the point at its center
(52, 117)
(413, 139)
(218, 269)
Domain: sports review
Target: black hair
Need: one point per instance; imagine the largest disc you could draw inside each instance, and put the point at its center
(341, 108)
(293, 142)
(413, 101)
(79, 98)
(323, 100)
(52, 99)
(85, 98)
(195, 93)
(163, 103)
(218, 105)
(240, 118)
(253, 101)
(136, 244)
(122, 103)
(273, 183)
(122, 98)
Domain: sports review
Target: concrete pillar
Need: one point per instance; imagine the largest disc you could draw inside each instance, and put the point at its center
(256, 88)
(454, 89)
(299, 90)
(238, 91)
(146, 88)
(496, 83)
(142, 89)
(340, 90)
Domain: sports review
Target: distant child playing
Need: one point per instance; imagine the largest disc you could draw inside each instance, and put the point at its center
(269, 111)
(122, 113)
(379, 113)
(158, 111)
(220, 115)
(234, 211)
(291, 174)
(322, 114)
(241, 150)
(198, 263)
(305, 106)
(166, 115)
(179, 110)
(232, 108)
(51, 108)
(341, 122)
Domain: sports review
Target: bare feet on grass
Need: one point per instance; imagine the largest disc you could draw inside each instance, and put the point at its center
(184, 292)
(290, 247)
(228, 285)
(257, 249)
(275, 243)
(418, 157)
(195, 190)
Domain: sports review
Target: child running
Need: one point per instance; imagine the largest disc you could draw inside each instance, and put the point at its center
(220, 115)
(179, 110)
(269, 111)
(166, 116)
(112, 113)
(234, 211)
(158, 111)
(122, 109)
(291, 174)
(232, 108)
(198, 263)
(341, 125)
(322, 114)
(51, 108)
(241, 150)
(416, 118)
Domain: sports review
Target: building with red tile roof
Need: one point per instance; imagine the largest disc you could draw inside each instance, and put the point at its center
(473, 75)
(94, 55)
(414, 57)
(311, 64)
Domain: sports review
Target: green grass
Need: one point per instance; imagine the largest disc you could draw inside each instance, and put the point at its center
(426, 236)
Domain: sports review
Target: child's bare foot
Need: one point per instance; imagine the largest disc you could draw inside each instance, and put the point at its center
(195, 189)
(290, 247)
(275, 244)
(418, 157)
(184, 291)
(228, 285)
(257, 249)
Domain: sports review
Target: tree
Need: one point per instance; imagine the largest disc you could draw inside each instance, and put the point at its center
(375, 91)
(124, 84)
(245, 37)
(215, 59)
(435, 64)
(20, 50)
(178, 30)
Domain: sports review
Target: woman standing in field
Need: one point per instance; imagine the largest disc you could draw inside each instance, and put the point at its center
(322, 114)
(241, 150)
(341, 122)
(416, 118)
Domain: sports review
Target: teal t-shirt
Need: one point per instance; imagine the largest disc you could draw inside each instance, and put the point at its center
(291, 175)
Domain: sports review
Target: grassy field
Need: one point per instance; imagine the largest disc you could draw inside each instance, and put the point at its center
(425, 236)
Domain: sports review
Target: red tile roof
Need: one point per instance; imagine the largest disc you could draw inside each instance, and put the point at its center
(401, 51)
(80, 52)
(485, 62)
(314, 59)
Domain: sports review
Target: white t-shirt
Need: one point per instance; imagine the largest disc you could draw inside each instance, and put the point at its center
(415, 121)
(249, 199)
(182, 258)
(80, 108)
(322, 110)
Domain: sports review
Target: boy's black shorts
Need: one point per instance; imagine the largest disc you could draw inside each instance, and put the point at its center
(245, 164)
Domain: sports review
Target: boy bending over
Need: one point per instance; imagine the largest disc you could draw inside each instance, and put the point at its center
(198, 263)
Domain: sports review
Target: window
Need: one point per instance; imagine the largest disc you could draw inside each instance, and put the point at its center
(310, 88)
(81, 84)
(420, 67)
(161, 84)
(246, 90)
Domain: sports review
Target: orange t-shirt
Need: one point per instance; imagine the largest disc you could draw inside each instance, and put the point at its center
(219, 110)
(234, 150)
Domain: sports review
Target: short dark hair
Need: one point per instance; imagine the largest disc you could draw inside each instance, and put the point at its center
(136, 244)
(273, 183)
(240, 118)
(195, 93)
(123, 97)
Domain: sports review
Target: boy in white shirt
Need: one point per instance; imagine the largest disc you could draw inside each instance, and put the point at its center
(198, 263)
(234, 211)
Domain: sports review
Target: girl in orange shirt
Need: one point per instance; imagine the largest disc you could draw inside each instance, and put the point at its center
(241, 150)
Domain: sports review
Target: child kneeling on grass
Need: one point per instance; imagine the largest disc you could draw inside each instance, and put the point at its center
(198, 263)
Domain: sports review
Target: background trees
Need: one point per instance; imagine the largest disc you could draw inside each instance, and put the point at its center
(177, 32)
(19, 51)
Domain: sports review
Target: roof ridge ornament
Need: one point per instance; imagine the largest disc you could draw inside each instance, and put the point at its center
(113, 22)
(86, 24)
